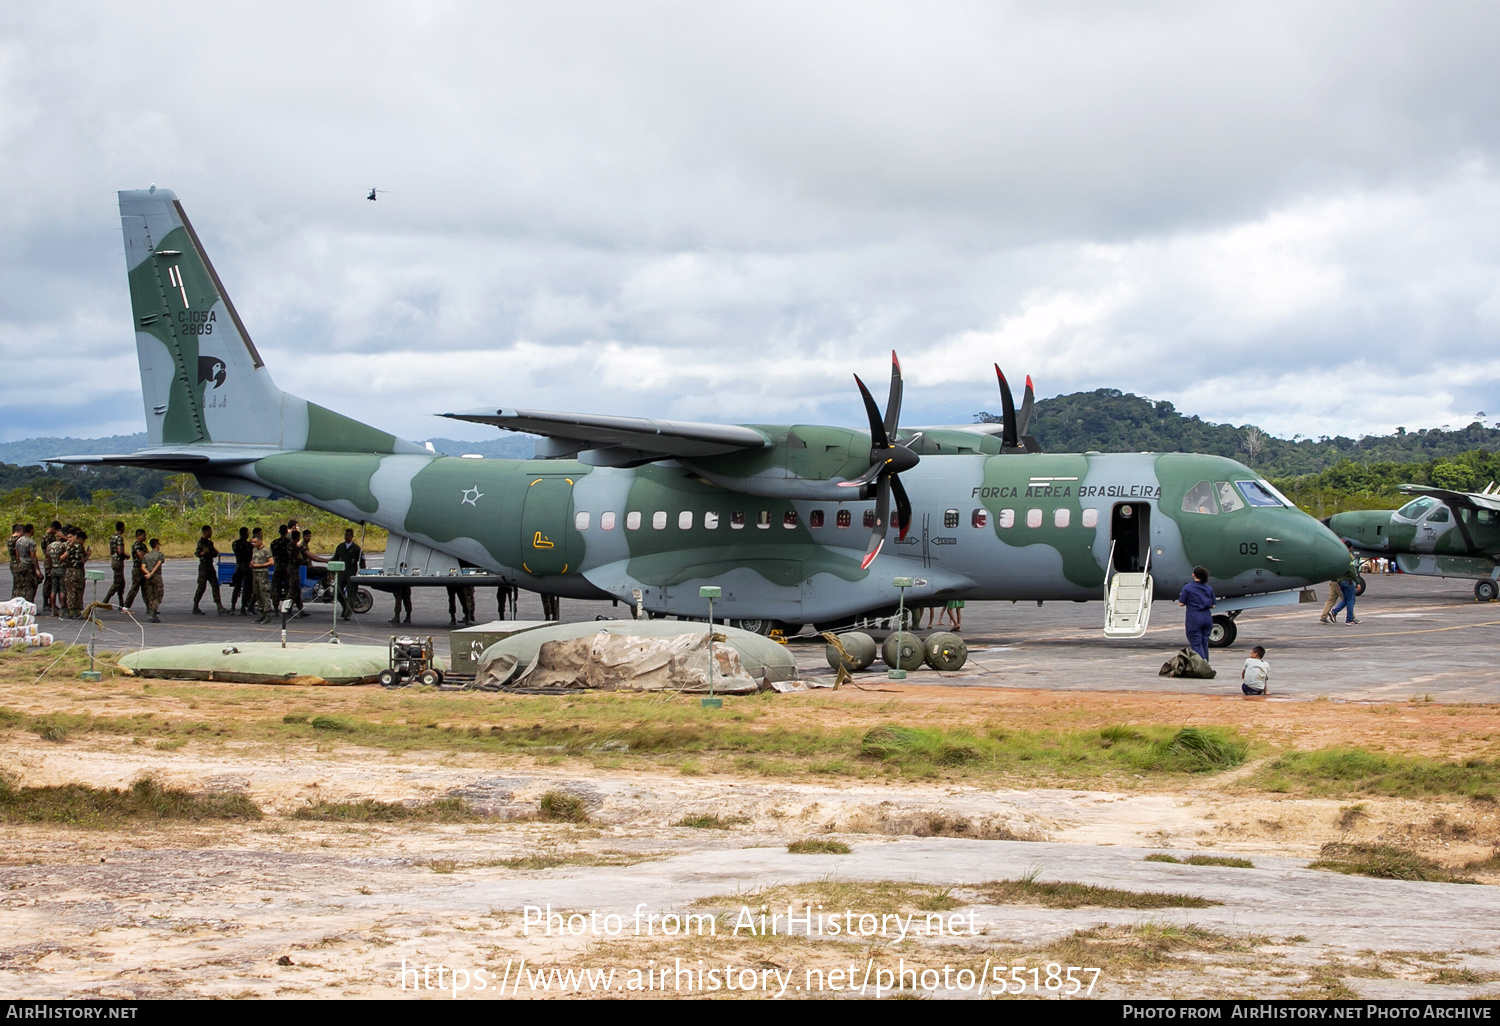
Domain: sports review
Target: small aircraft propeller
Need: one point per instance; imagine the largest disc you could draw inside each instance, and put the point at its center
(1013, 436)
(888, 458)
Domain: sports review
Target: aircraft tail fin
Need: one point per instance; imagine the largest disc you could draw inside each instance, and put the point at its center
(201, 376)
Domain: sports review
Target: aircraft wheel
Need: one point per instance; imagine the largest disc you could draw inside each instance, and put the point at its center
(364, 601)
(429, 678)
(1359, 586)
(1485, 591)
(903, 651)
(761, 627)
(387, 678)
(1222, 633)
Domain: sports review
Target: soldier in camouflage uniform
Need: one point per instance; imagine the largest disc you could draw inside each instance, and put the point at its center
(15, 566)
(208, 571)
(75, 555)
(117, 552)
(52, 585)
(261, 564)
(25, 571)
(153, 587)
(137, 553)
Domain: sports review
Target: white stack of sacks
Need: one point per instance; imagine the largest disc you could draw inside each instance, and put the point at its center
(18, 627)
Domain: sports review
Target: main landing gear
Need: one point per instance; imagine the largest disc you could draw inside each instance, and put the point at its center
(1223, 632)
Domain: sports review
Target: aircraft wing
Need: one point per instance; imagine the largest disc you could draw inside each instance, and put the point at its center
(619, 441)
(1467, 500)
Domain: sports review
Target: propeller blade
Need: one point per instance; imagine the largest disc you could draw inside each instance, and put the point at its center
(903, 506)
(1009, 434)
(1028, 401)
(878, 437)
(893, 403)
(882, 512)
(865, 478)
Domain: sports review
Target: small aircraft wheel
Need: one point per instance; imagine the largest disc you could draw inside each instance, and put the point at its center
(387, 678)
(364, 601)
(1222, 633)
(429, 678)
(1485, 591)
(761, 627)
(1359, 585)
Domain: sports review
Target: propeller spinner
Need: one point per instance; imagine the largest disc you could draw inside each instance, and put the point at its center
(888, 458)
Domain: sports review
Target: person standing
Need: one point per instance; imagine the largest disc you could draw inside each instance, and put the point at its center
(138, 552)
(261, 563)
(117, 553)
(1333, 596)
(1198, 598)
(74, 559)
(26, 571)
(208, 573)
(299, 557)
(352, 556)
(52, 542)
(15, 565)
(240, 591)
(153, 587)
(281, 559)
(402, 595)
(1347, 586)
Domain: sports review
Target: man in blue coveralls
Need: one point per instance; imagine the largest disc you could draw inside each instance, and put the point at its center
(1198, 597)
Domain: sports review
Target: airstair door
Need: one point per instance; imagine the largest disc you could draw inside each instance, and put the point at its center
(1127, 597)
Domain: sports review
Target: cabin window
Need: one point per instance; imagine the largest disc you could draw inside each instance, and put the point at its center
(1439, 516)
(1091, 518)
(1229, 499)
(950, 518)
(844, 519)
(685, 520)
(1485, 516)
(606, 521)
(633, 520)
(1060, 517)
(581, 520)
(659, 520)
(737, 520)
(869, 520)
(1033, 518)
(789, 519)
(1414, 509)
(710, 521)
(763, 520)
(979, 518)
(1007, 518)
(1200, 499)
(815, 518)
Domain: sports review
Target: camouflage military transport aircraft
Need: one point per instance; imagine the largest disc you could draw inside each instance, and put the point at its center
(1440, 533)
(787, 520)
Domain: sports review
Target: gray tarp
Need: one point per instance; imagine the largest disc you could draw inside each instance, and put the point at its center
(761, 658)
(617, 662)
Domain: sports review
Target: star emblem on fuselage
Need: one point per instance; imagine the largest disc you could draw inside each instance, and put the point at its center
(471, 496)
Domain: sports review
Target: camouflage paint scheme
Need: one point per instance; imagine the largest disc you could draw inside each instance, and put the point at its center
(1440, 533)
(212, 408)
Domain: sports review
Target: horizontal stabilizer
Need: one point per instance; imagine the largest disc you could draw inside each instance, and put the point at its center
(662, 439)
(193, 459)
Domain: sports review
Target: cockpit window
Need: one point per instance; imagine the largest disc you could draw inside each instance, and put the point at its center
(1229, 499)
(1414, 509)
(1200, 499)
(1258, 493)
(1439, 516)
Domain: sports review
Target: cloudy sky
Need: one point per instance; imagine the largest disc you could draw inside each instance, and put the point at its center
(1285, 214)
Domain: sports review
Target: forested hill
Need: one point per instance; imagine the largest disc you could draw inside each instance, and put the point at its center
(1112, 421)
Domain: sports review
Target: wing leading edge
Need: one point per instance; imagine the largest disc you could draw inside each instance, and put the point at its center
(619, 441)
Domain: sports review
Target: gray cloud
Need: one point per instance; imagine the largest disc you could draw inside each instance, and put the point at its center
(1280, 214)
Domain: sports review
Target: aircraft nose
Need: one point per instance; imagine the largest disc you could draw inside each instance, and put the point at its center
(1323, 557)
